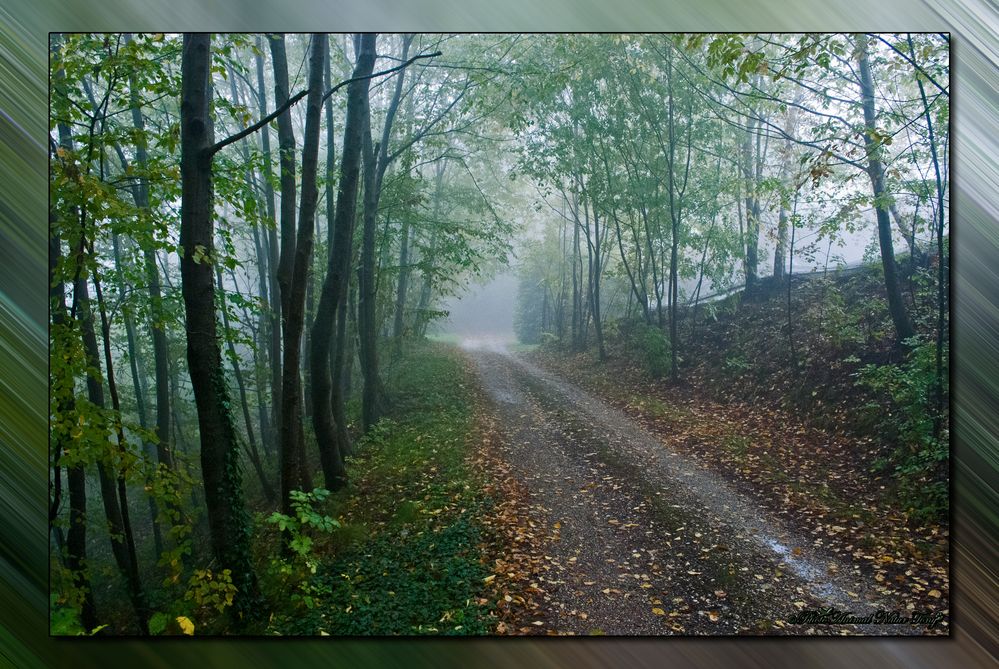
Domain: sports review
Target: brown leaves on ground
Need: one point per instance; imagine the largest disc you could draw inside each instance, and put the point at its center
(515, 539)
(816, 480)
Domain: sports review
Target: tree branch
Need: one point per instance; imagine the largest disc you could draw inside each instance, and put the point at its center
(912, 62)
(218, 146)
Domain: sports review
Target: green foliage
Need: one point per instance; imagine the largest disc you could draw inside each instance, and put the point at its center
(906, 416)
(306, 521)
(736, 364)
(170, 489)
(405, 555)
(837, 321)
(307, 532)
(64, 620)
(210, 591)
(167, 624)
(415, 581)
(653, 347)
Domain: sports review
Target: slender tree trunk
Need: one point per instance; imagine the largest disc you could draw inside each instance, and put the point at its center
(656, 283)
(593, 258)
(941, 258)
(347, 344)
(371, 397)
(261, 338)
(135, 583)
(426, 289)
(251, 444)
(326, 388)
(137, 369)
(576, 316)
(156, 317)
(790, 278)
(875, 169)
(376, 160)
(272, 252)
(403, 285)
(220, 465)
(121, 533)
(294, 474)
(340, 356)
(262, 282)
(291, 409)
(752, 229)
(76, 535)
(781, 252)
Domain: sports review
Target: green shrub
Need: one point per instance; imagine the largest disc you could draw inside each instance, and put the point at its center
(654, 349)
(303, 530)
(920, 461)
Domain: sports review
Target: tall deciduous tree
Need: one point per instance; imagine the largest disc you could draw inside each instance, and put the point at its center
(220, 464)
(329, 425)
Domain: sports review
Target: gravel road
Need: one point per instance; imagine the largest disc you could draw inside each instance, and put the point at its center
(647, 542)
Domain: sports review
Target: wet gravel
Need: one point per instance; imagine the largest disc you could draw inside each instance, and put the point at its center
(646, 541)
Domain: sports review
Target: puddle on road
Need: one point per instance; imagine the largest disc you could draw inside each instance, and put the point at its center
(804, 569)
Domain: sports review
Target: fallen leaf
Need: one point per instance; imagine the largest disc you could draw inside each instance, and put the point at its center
(186, 626)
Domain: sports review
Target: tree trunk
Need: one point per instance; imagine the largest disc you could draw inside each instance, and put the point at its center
(76, 535)
(293, 468)
(593, 260)
(262, 284)
(752, 229)
(292, 398)
(371, 396)
(120, 533)
(875, 169)
(576, 316)
(941, 258)
(220, 465)
(251, 444)
(138, 386)
(376, 160)
(272, 252)
(400, 292)
(135, 584)
(156, 317)
(332, 301)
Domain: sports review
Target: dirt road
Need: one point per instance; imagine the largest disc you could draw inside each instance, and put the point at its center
(646, 541)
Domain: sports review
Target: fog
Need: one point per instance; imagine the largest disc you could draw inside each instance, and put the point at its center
(483, 310)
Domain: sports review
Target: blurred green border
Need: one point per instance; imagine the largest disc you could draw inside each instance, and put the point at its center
(24, 640)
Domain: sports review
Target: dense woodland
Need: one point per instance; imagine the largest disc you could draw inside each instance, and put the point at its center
(251, 237)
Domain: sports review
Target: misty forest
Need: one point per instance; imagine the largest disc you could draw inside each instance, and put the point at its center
(409, 334)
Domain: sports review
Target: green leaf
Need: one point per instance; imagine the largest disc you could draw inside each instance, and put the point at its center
(158, 622)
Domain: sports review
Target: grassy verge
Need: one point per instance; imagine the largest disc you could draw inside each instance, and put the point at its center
(407, 555)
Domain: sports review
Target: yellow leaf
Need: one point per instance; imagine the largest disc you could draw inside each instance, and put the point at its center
(714, 616)
(186, 626)
(489, 579)
(934, 593)
(658, 611)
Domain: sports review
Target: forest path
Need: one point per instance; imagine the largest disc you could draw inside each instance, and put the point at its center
(646, 541)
